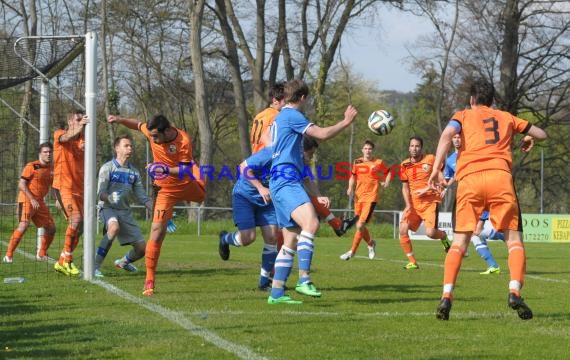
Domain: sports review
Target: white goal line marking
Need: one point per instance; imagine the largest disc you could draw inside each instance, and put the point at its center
(176, 317)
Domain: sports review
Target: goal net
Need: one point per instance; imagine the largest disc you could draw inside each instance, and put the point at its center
(41, 79)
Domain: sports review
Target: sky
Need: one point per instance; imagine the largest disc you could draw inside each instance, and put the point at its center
(377, 53)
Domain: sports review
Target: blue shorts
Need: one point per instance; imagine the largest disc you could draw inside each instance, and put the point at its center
(249, 213)
(287, 195)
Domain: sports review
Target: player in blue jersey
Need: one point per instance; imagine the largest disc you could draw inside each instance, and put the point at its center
(118, 179)
(252, 207)
(479, 241)
(295, 213)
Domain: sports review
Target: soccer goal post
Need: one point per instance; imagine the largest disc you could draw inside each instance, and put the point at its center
(43, 58)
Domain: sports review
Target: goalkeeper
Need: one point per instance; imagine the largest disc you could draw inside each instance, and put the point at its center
(118, 179)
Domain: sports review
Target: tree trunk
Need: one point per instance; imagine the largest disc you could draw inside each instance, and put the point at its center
(237, 83)
(509, 58)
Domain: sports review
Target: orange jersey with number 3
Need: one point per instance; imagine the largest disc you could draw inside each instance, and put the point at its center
(261, 124)
(488, 142)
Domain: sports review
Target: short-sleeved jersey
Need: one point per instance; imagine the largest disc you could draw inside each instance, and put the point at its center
(69, 162)
(287, 141)
(450, 163)
(38, 178)
(124, 179)
(261, 123)
(260, 164)
(174, 154)
(368, 175)
(486, 136)
(416, 174)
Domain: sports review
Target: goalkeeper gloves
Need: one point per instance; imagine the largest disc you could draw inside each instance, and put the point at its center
(170, 226)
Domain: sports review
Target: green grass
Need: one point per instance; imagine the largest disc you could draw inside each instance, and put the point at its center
(369, 309)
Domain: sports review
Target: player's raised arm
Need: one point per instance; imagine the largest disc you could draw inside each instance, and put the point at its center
(328, 132)
(128, 122)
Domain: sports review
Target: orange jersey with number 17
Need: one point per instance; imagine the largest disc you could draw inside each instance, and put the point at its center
(261, 124)
(488, 142)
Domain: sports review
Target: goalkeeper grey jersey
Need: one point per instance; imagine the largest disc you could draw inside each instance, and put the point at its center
(123, 179)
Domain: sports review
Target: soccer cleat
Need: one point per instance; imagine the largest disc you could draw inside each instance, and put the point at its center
(491, 270)
(346, 224)
(266, 287)
(223, 248)
(443, 309)
(7, 260)
(285, 299)
(308, 289)
(98, 274)
(42, 258)
(411, 266)
(445, 243)
(122, 263)
(148, 288)
(346, 256)
(372, 250)
(68, 268)
(516, 303)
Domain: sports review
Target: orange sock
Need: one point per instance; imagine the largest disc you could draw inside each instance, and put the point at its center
(356, 241)
(75, 240)
(14, 242)
(152, 254)
(517, 262)
(70, 235)
(366, 236)
(452, 265)
(46, 242)
(335, 223)
(406, 245)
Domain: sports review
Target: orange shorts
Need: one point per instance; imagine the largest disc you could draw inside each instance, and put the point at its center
(422, 211)
(321, 210)
(40, 217)
(71, 202)
(365, 211)
(492, 190)
(166, 198)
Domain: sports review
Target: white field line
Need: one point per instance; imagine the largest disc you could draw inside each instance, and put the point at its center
(175, 317)
(440, 265)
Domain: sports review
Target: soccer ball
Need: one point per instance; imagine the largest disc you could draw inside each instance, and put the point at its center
(381, 122)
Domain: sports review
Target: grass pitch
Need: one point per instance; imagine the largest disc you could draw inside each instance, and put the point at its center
(205, 308)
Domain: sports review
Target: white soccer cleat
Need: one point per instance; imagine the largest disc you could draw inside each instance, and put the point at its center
(372, 250)
(7, 259)
(346, 256)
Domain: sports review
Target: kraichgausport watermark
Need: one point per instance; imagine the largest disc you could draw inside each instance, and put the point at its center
(340, 171)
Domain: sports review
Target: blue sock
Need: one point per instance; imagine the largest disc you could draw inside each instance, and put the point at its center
(283, 266)
(305, 250)
(486, 255)
(267, 263)
(230, 239)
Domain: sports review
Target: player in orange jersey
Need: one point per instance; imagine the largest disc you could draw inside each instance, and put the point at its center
(264, 120)
(421, 201)
(34, 184)
(68, 175)
(339, 226)
(485, 182)
(367, 173)
(176, 178)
